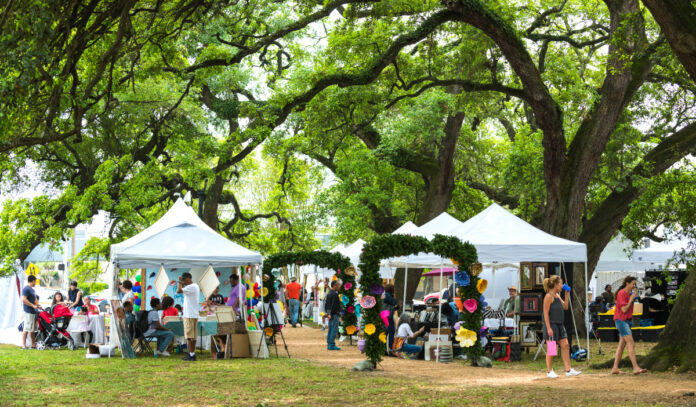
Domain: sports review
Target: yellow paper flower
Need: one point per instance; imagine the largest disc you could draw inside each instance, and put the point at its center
(350, 329)
(369, 329)
(265, 291)
(465, 337)
(268, 331)
(383, 337)
(481, 285)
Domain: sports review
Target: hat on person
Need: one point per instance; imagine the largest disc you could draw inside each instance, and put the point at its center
(293, 278)
(512, 287)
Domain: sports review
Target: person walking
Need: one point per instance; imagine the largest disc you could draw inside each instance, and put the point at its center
(29, 304)
(554, 330)
(623, 319)
(292, 292)
(333, 312)
(191, 293)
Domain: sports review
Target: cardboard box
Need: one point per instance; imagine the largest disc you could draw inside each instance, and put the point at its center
(239, 344)
(443, 331)
(637, 308)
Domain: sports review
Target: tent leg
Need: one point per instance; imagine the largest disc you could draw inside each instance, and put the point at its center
(439, 315)
(403, 305)
(587, 313)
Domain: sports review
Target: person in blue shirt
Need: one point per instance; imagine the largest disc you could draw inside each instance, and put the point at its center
(30, 303)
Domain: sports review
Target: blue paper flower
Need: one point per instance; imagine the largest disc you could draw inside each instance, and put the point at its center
(462, 278)
(376, 289)
(345, 300)
(482, 300)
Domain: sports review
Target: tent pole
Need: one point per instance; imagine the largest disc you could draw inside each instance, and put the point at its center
(405, 280)
(587, 310)
(439, 316)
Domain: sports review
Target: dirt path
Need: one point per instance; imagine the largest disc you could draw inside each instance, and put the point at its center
(310, 344)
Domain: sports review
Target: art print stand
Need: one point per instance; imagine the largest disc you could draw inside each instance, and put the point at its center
(123, 338)
(273, 321)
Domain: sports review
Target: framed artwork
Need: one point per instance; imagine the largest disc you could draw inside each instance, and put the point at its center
(526, 282)
(119, 315)
(530, 304)
(541, 271)
(528, 333)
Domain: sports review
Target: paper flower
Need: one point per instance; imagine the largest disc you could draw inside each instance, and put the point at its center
(483, 302)
(350, 329)
(462, 278)
(370, 329)
(268, 331)
(385, 316)
(350, 271)
(476, 269)
(368, 302)
(347, 286)
(265, 291)
(457, 325)
(482, 285)
(455, 262)
(383, 337)
(376, 289)
(350, 309)
(470, 305)
(465, 337)
(345, 300)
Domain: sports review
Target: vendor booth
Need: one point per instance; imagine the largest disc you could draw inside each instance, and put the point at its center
(178, 242)
(502, 238)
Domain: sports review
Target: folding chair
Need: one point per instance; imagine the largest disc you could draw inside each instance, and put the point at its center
(141, 343)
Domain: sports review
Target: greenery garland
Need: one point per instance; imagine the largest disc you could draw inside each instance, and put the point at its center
(384, 247)
(320, 258)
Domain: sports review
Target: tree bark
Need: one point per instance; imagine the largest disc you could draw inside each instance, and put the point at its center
(440, 183)
(677, 19)
(677, 343)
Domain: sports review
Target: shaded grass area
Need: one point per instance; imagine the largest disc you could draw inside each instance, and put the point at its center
(63, 377)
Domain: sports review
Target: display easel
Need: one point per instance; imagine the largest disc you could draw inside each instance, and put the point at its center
(269, 314)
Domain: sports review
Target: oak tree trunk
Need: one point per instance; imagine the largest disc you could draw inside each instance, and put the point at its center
(677, 343)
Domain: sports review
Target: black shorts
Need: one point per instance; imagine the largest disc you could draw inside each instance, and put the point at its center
(559, 332)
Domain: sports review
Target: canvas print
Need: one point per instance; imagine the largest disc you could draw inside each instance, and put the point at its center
(530, 304)
(526, 282)
(540, 273)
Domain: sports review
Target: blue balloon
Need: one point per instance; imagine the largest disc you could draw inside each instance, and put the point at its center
(137, 301)
(136, 289)
(462, 278)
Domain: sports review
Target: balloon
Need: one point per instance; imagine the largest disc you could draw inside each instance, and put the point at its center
(136, 308)
(136, 284)
(138, 278)
(137, 295)
(137, 301)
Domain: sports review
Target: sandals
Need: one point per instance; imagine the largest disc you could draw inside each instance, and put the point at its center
(637, 372)
(617, 372)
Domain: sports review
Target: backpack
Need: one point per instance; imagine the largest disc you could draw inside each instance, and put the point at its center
(141, 321)
(578, 354)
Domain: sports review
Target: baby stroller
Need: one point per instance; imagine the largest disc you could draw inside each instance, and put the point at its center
(53, 324)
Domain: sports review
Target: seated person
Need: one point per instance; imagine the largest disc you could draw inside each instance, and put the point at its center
(130, 317)
(404, 331)
(215, 298)
(154, 328)
(89, 308)
(598, 305)
(178, 308)
(58, 299)
(168, 309)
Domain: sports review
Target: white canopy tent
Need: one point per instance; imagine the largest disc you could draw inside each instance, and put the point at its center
(660, 253)
(179, 239)
(405, 229)
(11, 308)
(499, 237)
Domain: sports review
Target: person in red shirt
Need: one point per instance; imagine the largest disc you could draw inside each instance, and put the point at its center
(89, 308)
(168, 309)
(623, 319)
(292, 293)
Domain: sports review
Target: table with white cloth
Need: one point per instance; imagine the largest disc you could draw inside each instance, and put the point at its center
(94, 323)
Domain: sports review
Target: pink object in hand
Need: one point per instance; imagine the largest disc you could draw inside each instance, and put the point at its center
(551, 348)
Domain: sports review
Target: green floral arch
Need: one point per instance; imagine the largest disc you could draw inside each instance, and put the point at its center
(384, 247)
(320, 258)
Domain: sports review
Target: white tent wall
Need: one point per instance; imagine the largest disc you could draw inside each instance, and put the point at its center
(10, 309)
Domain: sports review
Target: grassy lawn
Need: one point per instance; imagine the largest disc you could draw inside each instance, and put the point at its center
(63, 377)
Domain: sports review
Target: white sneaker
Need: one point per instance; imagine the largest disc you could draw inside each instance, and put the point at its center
(572, 372)
(163, 353)
(552, 375)
(342, 338)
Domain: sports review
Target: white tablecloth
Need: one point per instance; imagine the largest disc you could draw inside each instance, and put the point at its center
(95, 323)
